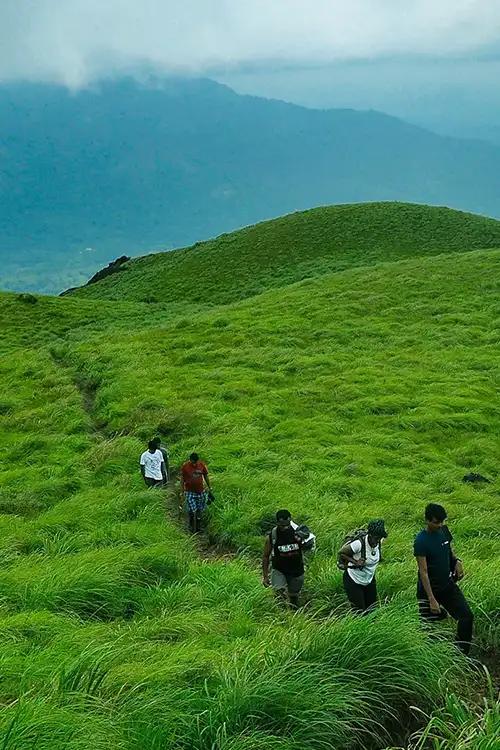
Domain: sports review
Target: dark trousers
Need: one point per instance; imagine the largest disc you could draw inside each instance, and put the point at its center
(150, 482)
(455, 603)
(361, 597)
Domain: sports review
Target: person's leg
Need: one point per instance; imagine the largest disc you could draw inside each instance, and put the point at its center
(355, 593)
(457, 607)
(191, 511)
(278, 584)
(370, 595)
(294, 585)
(424, 608)
(201, 504)
(150, 482)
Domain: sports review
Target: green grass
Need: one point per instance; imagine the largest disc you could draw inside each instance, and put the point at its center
(460, 726)
(366, 392)
(305, 244)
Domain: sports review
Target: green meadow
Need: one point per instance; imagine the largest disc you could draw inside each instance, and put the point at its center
(357, 378)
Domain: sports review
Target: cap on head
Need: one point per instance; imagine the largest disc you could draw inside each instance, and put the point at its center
(283, 515)
(433, 511)
(194, 457)
(376, 528)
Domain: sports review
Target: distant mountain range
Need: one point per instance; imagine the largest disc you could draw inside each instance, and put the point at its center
(128, 168)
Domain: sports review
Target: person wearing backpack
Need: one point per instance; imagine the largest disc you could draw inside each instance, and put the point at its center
(284, 549)
(359, 559)
(438, 572)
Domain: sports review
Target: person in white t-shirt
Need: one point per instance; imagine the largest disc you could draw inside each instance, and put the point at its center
(362, 556)
(153, 466)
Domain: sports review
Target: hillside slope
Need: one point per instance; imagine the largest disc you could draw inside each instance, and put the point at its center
(125, 169)
(366, 392)
(306, 244)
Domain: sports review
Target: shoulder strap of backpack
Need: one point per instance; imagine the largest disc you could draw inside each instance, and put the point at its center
(363, 546)
(274, 535)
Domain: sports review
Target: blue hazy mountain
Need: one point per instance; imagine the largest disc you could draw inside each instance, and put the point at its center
(129, 168)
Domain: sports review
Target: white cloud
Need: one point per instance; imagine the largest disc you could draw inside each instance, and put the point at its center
(77, 41)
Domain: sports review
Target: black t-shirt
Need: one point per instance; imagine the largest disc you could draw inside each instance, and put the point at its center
(287, 553)
(435, 547)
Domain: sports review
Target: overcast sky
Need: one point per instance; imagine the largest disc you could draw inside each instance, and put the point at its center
(434, 62)
(78, 41)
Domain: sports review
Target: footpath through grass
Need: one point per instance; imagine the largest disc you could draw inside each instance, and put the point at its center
(365, 393)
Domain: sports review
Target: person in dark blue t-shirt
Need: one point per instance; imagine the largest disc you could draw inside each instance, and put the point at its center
(438, 572)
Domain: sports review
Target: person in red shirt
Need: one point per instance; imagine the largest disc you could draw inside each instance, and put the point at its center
(194, 479)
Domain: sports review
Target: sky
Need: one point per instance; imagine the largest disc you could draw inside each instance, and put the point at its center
(407, 56)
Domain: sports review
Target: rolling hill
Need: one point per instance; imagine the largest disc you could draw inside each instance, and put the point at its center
(291, 248)
(125, 168)
(366, 389)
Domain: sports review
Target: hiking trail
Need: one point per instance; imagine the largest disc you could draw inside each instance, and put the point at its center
(208, 550)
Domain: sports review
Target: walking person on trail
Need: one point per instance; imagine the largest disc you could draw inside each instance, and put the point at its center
(283, 549)
(194, 480)
(164, 451)
(438, 573)
(153, 466)
(359, 559)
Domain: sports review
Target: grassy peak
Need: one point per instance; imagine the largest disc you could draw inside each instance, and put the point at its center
(304, 244)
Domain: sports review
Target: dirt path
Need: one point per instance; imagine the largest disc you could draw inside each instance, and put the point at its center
(86, 388)
(207, 548)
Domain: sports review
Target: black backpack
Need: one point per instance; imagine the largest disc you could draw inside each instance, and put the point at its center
(362, 535)
(305, 535)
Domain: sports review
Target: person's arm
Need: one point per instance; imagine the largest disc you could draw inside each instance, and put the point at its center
(347, 554)
(206, 477)
(424, 577)
(457, 567)
(143, 471)
(265, 562)
(163, 472)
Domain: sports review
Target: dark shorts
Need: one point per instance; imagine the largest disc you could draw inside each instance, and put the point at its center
(150, 482)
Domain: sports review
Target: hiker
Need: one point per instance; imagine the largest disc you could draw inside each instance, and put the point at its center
(194, 478)
(359, 559)
(438, 573)
(153, 466)
(165, 454)
(284, 549)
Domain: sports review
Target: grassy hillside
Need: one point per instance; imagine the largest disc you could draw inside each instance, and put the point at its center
(305, 244)
(366, 392)
(113, 633)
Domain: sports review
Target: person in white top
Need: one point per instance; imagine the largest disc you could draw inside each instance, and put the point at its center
(152, 466)
(362, 556)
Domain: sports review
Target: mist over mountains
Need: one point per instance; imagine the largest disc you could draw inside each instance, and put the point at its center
(128, 168)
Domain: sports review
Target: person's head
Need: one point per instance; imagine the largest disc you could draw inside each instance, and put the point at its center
(157, 441)
(152, 446)
(194, 458)
(435, 515)
(376, 530)
(283, 518)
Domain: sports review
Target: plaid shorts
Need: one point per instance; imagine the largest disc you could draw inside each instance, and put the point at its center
(195, 501)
